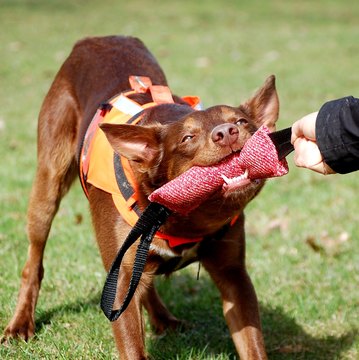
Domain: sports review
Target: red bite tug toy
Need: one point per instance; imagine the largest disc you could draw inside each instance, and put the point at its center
(257, 160)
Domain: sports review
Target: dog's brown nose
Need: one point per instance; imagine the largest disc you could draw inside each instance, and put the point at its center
(225, 134)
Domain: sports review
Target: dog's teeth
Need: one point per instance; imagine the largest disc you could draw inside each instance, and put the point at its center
(235, 179)
(226, 180)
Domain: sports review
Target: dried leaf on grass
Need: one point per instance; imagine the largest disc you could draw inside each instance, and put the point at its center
(292, 348)
(2, 124)
(279, 223)
(311, 242)
(327, 245)
(78, 219)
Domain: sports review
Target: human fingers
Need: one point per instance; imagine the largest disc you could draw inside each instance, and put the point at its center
(307, 155)
(304, 127)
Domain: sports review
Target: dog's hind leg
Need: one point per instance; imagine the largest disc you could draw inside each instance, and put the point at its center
(57, 136)
(160, 317)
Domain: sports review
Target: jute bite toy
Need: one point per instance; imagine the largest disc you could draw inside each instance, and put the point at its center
(263, 156)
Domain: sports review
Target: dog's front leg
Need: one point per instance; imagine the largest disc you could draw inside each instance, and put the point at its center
(240, 308)
(224, 260)
(128, 330)
(111, 231)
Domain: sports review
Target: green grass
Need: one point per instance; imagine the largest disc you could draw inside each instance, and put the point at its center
(302, 231)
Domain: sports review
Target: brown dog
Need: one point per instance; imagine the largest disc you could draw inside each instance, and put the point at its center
(169, 140)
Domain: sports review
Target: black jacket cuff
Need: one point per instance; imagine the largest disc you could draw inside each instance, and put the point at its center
(337, 134)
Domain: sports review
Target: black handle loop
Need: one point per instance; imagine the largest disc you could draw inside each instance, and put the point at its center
(281, 140)
(146, 226)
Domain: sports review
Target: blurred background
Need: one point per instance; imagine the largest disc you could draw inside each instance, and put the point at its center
(302, 231)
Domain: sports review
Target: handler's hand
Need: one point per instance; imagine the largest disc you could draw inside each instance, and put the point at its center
(306, 150)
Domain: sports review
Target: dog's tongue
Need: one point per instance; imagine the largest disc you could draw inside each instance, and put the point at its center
(257, 160)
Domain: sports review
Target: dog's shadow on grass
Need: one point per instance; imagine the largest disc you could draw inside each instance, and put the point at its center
(79, 306)
(205, 334)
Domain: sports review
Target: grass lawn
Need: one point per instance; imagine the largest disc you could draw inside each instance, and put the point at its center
(302, 231)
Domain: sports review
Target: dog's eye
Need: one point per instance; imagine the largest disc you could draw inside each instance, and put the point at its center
(187, 138)
(241, 121)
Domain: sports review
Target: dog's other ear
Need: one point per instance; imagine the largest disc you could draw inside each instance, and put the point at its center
(263, 107)
(136, 143)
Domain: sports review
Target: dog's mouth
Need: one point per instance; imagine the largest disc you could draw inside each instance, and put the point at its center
(240, 182)
(231, 184)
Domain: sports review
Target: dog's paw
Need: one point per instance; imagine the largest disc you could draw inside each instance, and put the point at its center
(18, 328)
(171, 324)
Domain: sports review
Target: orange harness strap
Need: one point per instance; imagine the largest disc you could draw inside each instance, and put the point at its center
(104, 169)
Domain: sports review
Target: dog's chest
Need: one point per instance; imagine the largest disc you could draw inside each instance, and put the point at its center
(168, 260)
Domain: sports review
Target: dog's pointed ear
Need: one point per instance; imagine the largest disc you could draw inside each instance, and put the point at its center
(263, 107)
(136, 143)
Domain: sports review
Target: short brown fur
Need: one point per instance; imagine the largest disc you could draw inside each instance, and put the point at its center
(170, 140)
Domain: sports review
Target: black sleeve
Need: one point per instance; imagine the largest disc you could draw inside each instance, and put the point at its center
(337, 133)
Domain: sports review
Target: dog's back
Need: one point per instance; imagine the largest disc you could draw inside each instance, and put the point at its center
(96, 69)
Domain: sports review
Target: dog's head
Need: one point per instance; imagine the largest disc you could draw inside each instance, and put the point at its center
(172, 138)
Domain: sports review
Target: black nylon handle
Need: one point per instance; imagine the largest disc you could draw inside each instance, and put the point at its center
(146, 226)
(281, 141)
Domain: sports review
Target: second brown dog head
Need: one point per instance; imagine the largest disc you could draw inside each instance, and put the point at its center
(172, 138)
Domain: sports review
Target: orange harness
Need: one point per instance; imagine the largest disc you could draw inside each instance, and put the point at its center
(101, 167)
